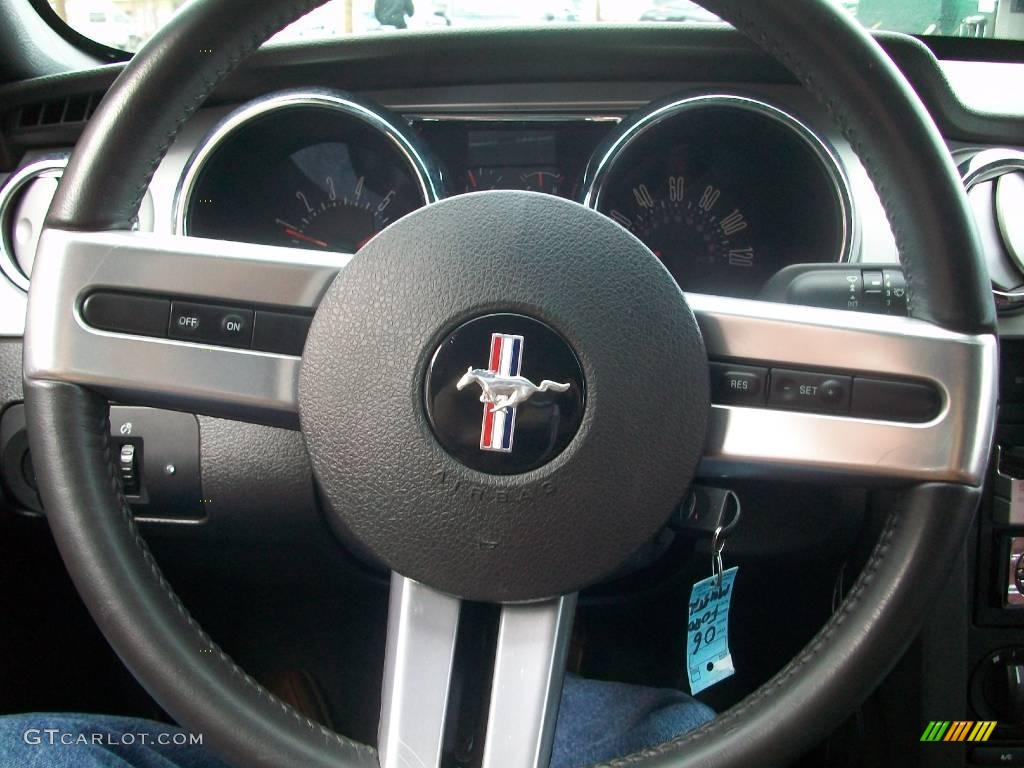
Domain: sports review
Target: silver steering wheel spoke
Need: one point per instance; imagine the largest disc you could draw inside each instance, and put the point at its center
(162, 371)
(263, 387)
(529, 667)
(952, 446)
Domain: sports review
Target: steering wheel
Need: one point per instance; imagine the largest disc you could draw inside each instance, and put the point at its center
(393, 331)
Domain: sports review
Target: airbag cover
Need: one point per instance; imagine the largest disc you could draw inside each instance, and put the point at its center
(384, 475)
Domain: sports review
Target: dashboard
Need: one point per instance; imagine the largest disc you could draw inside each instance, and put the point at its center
(729, 176)
(725, 189)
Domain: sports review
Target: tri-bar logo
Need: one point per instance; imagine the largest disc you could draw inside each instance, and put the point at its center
(503, 390)
(499, 424)
(958, 730)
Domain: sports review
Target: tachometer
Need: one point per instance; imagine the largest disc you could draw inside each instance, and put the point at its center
(725, 190)
(314, 169)
(340, 199)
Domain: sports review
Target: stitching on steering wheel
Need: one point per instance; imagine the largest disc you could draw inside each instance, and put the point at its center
(232, 61)
(240, 53)
(775, 48)
(771, 45)
(205, 640)
(816, 645)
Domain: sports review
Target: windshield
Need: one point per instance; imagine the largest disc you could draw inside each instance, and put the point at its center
(126, 24)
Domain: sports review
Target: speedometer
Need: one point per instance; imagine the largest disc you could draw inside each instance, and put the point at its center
(725, 191)
(696, 234)
(315, 170)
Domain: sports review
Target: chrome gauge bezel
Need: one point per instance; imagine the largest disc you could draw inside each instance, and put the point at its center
(989, 165)
(602, 166)
(426, 172)
(51, 166)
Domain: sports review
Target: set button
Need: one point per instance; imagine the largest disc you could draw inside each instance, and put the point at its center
(819, 392)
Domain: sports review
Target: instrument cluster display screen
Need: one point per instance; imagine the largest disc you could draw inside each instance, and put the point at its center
(534, 156)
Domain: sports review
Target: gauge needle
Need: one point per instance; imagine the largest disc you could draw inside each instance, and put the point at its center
(299, 236)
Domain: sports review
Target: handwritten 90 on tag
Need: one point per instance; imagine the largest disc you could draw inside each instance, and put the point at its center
(708, 659)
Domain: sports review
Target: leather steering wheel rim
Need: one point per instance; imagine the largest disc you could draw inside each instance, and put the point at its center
(154, 634)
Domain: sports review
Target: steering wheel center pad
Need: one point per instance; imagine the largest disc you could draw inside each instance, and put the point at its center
(504, 537)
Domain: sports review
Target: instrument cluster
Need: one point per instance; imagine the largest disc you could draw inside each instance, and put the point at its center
(725, 190)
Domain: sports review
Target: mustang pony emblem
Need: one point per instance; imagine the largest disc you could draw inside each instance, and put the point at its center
(503, 390)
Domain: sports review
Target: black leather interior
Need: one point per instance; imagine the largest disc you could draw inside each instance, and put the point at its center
(896, 140)
(847, 658)
(164, 647)
(178, 67)
(834, 58)
(29, 34)
(138, 611)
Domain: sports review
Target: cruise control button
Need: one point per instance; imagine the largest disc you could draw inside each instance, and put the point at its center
(806, 391)
(737, 384)
(233, 325)
(223, 326)
(835, 392)
(280, 332)
(895, 400)
(124, 313)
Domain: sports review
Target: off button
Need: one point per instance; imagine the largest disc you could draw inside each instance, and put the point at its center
(211, 323)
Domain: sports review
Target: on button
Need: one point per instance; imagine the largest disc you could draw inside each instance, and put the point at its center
(233, 325)
(224, 326)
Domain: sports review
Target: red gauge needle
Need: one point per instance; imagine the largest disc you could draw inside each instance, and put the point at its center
(364, 241)
(299, 236)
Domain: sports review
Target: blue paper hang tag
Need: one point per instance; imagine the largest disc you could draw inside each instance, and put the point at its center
(708, 659)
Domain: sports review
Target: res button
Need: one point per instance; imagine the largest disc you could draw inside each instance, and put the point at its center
(738, 384)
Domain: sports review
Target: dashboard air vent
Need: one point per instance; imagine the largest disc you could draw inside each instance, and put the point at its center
(994, 179)
(66, 111)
